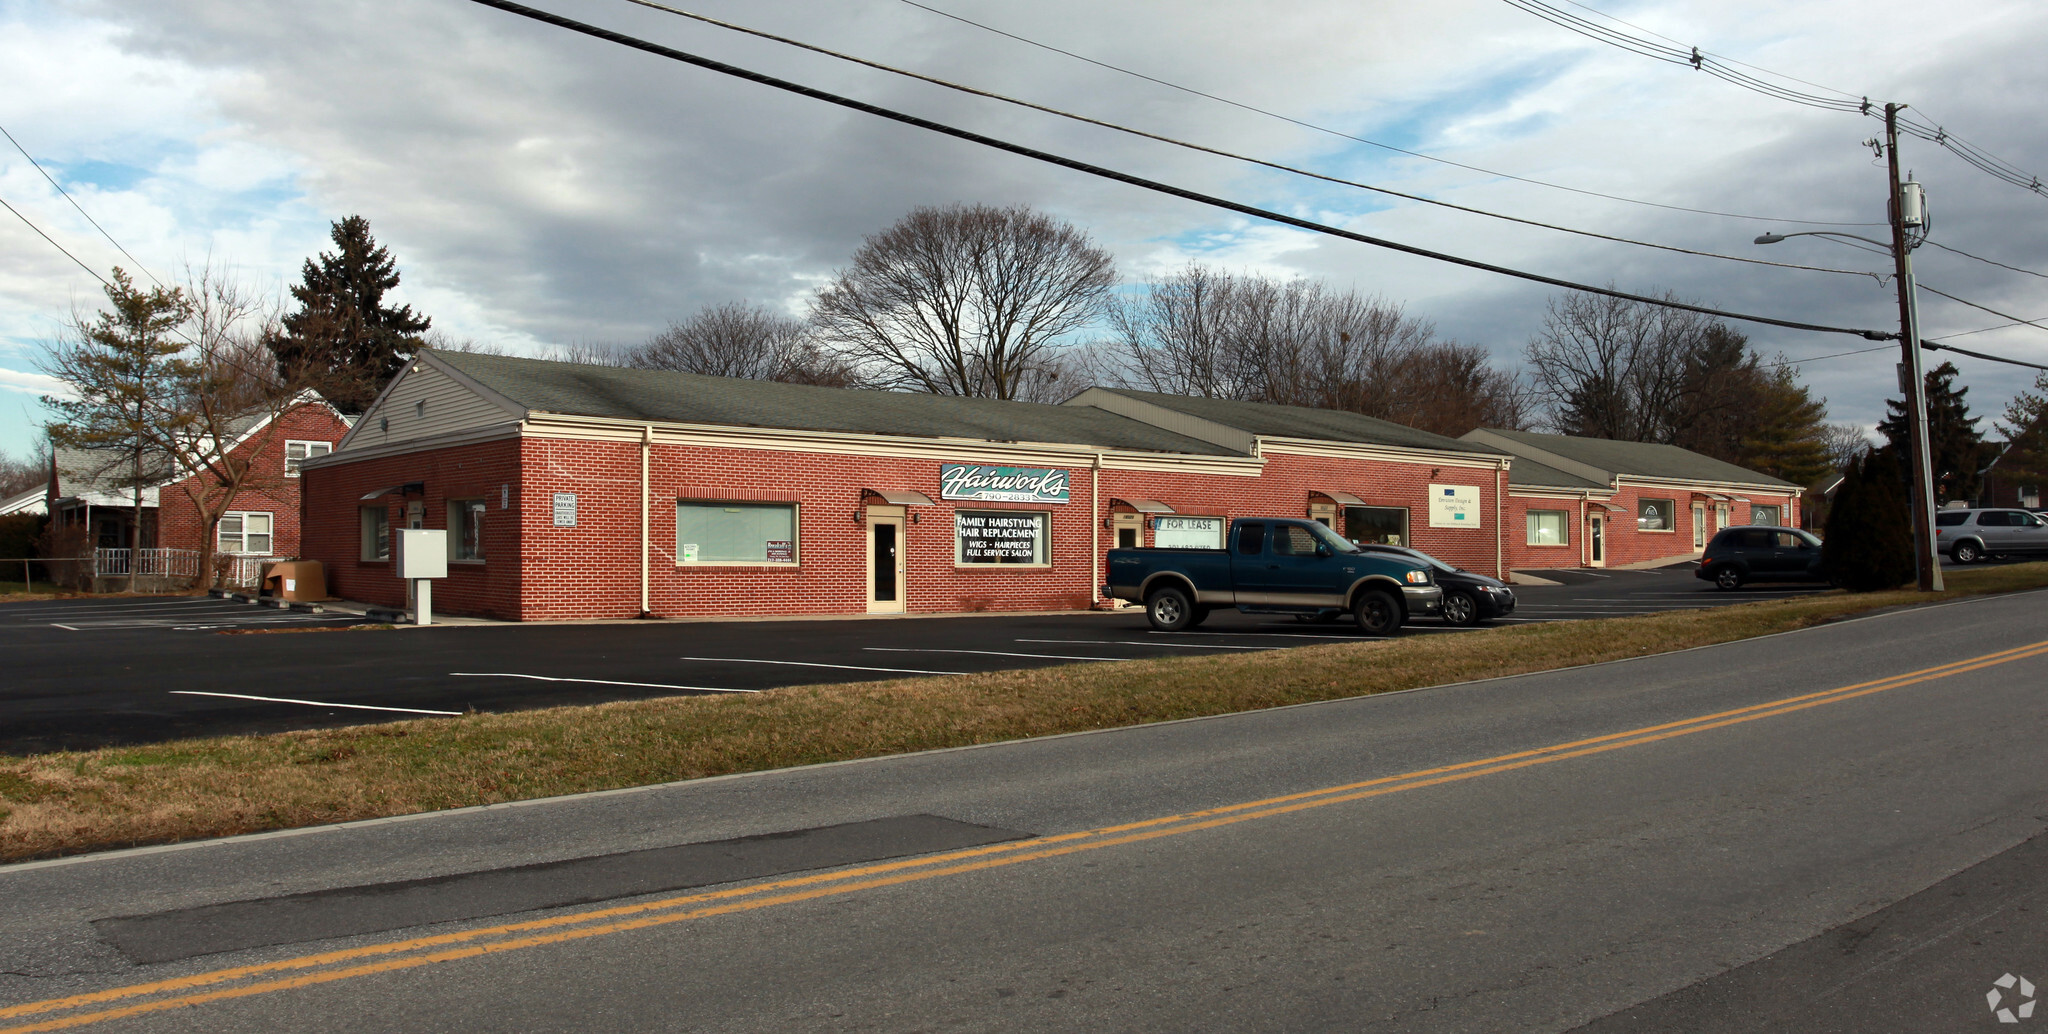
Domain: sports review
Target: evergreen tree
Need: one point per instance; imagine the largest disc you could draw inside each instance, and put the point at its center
(2026, 427)
(1955, 448)
(125, 373)
(1787, 435)
(1869, 543)
(342, 339)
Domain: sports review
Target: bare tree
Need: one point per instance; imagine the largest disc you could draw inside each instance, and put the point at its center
(738, 339)
(965, 300)
(1614, 368)
(1449, 389)
(1845, 443)
(20, 475)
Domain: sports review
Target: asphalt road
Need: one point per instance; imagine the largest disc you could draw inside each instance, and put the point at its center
(88, 673)
(1833, 829)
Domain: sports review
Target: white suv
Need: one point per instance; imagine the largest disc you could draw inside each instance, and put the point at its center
(1971, 535)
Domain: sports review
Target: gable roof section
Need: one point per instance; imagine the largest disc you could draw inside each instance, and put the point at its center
(1267, 420)
(577, 389)
(1580, 456)
(1524, 472)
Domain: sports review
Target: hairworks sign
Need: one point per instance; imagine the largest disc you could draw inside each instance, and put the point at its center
(1002, 484)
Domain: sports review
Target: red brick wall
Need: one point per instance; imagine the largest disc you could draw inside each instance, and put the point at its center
(1624, 543)
(488, 470)
(268, 490)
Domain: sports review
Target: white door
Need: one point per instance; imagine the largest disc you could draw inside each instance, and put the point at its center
(1699, 527)
(1596, 538)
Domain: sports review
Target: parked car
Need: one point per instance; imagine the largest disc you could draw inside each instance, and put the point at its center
(1761, 553)
(1274, 566)
(1968, 536)
(1469, 597)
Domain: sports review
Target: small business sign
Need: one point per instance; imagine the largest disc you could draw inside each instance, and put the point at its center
(781, 551)
(565, 509)
(999, 538)
(1454, 506)
(1002, 484)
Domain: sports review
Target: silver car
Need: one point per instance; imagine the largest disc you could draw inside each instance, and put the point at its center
(1968, 536)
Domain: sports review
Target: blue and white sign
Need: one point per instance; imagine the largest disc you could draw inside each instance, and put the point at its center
(1454, 506)
(1002, 484)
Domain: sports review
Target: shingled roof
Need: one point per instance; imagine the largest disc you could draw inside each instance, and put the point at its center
(579, 389)
(1640, 459)
(1276, 421)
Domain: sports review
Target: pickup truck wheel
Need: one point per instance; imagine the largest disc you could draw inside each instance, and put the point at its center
(1169, 610)
(1377, 613)
(1967, 553)
(1460, 609)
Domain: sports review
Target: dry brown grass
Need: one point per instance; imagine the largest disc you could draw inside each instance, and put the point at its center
(68, 802)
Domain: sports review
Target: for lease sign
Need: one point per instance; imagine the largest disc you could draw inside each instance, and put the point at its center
(1002, 484)
(1454, 506)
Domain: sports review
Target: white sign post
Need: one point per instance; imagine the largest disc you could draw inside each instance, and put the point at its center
(422, 556)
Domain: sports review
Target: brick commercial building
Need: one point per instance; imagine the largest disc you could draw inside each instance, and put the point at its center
(576, 491)
(1592, 502)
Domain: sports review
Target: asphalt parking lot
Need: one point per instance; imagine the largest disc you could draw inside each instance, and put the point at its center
(86, 673)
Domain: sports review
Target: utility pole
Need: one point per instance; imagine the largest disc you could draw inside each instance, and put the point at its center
(1926, 560)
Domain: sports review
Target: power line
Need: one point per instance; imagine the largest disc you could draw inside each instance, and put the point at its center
(1204, 149)
(1137, 181)
(1934, 347)
(1704, 61)
(2017, 321)
(1987, 330)
(1359, 139)
(1980, 258)
(74, 203)
(53, 243)
(1830, 355)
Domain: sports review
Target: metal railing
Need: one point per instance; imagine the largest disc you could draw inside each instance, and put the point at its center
(243, 571)
(163, 563)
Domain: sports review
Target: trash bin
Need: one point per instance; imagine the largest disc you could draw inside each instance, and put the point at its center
(296, 580)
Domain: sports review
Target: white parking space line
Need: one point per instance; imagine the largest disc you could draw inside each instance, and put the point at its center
(595, 682)
(1125, 642)
(311, 703)
(1267, 635)
(988, 653)
(818, 664)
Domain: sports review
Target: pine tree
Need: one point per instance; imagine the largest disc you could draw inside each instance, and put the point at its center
(2026, 427)
(1955, 448)
(1869, 544)
(342, 339)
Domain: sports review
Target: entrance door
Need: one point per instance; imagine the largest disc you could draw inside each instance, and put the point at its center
(1699, 527)
(885, 565)
(1597, 538)
(1720, 516)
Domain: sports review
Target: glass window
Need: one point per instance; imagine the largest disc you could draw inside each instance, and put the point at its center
(1764, 515)
(1951, 518)
(466, 529)
(1251, 539)
(736, 533)
(1994, 519)
(297, 451)
(1290, 540)
(376, 523)
(1384, 525)
(244, 532)
(999, 537)
(1547, 528)
(1656, 515)
(1188, 532)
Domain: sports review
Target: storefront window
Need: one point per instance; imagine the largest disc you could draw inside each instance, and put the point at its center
(1001, 537)
(466, 529)
(1657, 515)
(1385, 525)
(1547, 528)
(1188, 532)
(1763, 515)
(736, 533)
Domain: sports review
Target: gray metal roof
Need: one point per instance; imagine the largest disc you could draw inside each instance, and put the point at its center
(1642, 459)
(578, 389)
(1276, 421)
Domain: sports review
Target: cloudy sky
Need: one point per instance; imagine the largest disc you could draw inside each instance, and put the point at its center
(541, 188)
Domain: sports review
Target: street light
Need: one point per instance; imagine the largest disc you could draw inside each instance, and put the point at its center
(1908, 210)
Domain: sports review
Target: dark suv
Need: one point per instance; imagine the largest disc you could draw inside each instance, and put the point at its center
(1971, 535)
(1761, 553)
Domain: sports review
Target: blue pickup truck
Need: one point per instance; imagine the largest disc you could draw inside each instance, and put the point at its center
(1274, 566)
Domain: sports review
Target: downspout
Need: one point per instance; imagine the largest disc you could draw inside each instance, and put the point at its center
(1585, 541)
(1095, 572)
(646, 447)
(1500, 533)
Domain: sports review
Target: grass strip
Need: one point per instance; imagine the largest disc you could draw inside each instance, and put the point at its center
(74, 801)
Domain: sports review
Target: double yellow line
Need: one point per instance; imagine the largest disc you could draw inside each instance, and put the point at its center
(329, 967)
